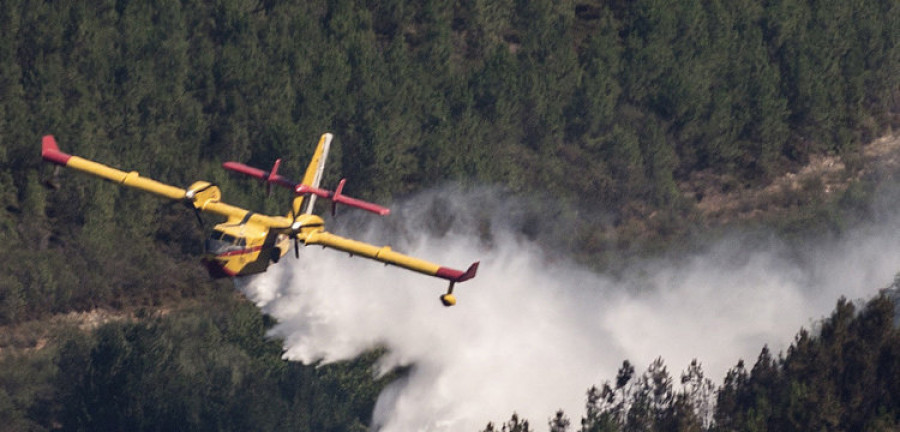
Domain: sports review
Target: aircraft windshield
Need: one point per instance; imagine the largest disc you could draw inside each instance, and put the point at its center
(220, 242)
(236, 241)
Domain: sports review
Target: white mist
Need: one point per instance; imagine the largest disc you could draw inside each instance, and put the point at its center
(532, 332)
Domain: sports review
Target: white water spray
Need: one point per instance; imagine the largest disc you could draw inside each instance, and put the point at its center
(533, 331)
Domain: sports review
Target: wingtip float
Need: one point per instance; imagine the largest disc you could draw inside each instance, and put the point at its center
(247, 242)
(455, 276)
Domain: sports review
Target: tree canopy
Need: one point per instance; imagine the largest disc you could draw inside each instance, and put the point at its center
(601, 104)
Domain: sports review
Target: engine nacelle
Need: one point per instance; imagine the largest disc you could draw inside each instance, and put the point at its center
(202, 193)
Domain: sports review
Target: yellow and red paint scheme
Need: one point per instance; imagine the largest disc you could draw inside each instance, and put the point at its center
(247, 242)
(242, 249)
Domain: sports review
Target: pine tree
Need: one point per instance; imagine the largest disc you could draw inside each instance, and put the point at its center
(559, 422)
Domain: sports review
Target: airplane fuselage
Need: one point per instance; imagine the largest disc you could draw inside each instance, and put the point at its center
(244, 249)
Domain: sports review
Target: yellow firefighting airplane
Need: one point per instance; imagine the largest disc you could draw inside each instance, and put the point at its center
(247, 242)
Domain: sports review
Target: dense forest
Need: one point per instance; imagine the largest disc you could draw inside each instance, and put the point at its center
(604, 105)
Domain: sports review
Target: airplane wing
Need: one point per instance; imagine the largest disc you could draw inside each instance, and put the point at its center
(386, 255)
(202, 196)
(206, 197)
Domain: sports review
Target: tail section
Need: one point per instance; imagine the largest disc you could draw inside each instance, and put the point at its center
(313, 176)
(306, 192)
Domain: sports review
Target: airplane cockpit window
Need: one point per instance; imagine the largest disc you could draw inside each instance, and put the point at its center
(219, 242)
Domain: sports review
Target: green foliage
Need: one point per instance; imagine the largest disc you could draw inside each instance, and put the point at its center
(26, 391)
(608, 104)
(515, 424)
(639, 93)
(841, 379)
(559, 422)
(202, 369)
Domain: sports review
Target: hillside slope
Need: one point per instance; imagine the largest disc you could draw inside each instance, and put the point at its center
(723, 199)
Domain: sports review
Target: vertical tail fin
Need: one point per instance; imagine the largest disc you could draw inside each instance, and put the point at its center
(313, 176)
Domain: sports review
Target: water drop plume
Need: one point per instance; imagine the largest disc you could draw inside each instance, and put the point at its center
(534, 331)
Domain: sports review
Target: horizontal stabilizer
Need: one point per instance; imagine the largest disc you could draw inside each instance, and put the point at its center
(340, 198)
(271, 177)
(268, 177)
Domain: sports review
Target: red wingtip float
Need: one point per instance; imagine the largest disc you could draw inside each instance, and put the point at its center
(455, 276)
(248, 242)
(50, 151)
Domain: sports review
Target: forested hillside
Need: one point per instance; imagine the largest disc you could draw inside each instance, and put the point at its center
(603, 105)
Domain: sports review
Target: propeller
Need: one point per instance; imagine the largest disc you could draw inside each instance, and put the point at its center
(199, 218)
(191, 195)
(294, 230)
